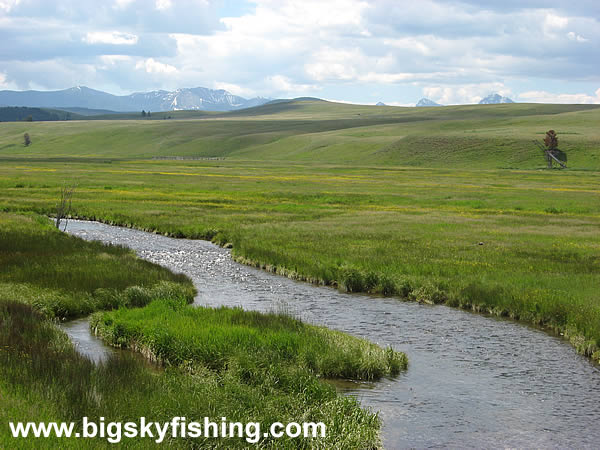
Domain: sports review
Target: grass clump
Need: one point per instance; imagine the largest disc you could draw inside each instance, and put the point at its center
(221, 338)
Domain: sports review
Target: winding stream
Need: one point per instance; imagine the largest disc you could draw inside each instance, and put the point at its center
(472, 381)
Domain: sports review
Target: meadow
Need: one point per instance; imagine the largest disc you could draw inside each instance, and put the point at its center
(46, 275)
(439, 205)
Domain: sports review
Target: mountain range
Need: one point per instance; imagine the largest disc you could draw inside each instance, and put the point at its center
(86, 101)
(199, 98)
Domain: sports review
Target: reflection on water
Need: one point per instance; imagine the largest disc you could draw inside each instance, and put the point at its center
(472, 381)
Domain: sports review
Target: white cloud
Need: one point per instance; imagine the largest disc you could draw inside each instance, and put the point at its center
(4, 84)
(113, 59)
(575, 37)
(122, 4)
(553, 21)
(110, 37)
(549, 97)
(284, 85)
(409, 43)
(152, 66)
(464, 94)
(162, 5)
(7, 5)
(235, 89)
(459, 51)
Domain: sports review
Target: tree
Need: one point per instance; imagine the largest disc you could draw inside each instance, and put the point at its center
(551, 151)
(148, 113)
(143, 113)
(63, 207)
(26, 139)
(551, 140)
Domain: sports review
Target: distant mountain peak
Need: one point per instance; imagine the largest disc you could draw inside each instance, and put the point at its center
(426, 102)
(494, 99)
(380, 104)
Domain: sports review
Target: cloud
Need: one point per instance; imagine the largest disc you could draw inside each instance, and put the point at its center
(162, 5)
(152, 66)
(549, 97)
(284, 86)
(575, 37)
(553, 21)
(234, 89)
(4, 84)
(110, 37)
(464, 94)
(459, 51)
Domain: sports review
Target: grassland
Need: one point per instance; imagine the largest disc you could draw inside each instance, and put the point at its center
(394, 201)
(245, 366)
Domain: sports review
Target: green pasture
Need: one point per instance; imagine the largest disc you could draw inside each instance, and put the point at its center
(447, 204)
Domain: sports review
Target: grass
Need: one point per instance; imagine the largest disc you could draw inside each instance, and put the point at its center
(66, 277)
(393, 201)
(246, 366)
(244, 341)
(42, 378)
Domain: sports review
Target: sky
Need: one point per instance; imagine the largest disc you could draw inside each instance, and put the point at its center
(394, 51)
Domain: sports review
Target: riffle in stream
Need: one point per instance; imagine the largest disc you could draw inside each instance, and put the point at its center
(472, 381)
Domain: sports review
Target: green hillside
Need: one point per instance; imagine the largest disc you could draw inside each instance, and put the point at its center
(477, 136)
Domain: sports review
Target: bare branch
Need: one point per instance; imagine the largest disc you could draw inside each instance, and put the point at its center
(63, 207)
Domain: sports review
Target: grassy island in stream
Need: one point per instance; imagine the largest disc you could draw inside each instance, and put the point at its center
(270, 373)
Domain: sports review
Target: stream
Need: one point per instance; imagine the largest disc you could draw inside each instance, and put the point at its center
(472, 382)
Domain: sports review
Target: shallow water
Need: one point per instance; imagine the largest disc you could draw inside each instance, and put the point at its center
(85, 342)
(472, 381)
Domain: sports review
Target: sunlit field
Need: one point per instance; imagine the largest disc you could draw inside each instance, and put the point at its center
(441, 205)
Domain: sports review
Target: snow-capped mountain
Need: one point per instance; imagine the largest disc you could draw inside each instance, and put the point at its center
(494, 99)
(83, 97)
(426, 102)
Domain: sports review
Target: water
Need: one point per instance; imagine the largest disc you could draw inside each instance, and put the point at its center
(472, 381)
(85, 342)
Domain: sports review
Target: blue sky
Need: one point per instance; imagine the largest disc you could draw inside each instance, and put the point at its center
(454, 52)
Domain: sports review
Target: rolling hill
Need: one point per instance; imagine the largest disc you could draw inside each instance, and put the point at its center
(475, 136)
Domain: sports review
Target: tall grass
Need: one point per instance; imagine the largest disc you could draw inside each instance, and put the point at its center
(42, 378)
(249, 342)
(66, 277)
